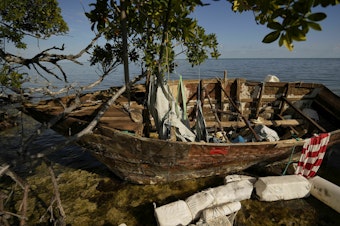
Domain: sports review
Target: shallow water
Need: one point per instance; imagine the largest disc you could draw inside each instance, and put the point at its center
(92, 195)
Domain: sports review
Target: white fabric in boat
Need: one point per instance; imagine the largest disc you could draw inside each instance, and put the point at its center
(162, 106)
(266, 133)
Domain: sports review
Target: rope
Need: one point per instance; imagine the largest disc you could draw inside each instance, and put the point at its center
(289, 161)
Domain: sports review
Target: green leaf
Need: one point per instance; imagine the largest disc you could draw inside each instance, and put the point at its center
(317, 16)
(275, 26)
(297, 34)
(271, 37)
(281, 40)
(314, 26)
(288, 44)
(299, 37)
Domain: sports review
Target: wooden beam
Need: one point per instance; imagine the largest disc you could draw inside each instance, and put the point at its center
(239, 124)
(304, 115)
(223, 84)
(242, 116)
(216, 116)
(286, 93)
(259, 101)
(329, 111)
(238, 95)
(290, 126)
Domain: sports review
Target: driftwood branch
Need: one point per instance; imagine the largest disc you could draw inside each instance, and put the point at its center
(5, 169)
(23, 206)
(62, 218)
(12, 214)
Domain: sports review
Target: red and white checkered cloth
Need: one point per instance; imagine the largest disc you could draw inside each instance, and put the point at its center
(312, 155)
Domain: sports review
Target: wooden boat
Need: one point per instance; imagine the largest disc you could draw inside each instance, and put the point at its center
(127, 140)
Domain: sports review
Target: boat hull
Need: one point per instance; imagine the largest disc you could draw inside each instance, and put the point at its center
(151, 161)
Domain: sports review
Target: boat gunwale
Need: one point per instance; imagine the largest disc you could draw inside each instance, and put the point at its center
(261, 143)
(148, 139)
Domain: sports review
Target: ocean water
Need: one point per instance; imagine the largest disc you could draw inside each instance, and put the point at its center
(317, 70)
(91, 195)
(326, 71)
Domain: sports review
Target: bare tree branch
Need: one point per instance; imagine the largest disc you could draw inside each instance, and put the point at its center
(5, 169)
(23, 206)
(50, 71)
(46, 56)
(65, 89)
(41, 75)
(57, 196)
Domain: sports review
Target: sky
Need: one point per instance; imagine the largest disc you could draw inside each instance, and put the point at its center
(238, 34)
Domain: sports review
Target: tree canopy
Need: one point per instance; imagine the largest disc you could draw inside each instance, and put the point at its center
(289, 20)
(20, 18)
(36, 18)
(156, 27)
(155, 30)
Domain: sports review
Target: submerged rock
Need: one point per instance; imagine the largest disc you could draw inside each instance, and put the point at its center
(8, 120)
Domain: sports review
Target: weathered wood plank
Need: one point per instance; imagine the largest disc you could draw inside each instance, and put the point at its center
(238, 124)
(304, 115)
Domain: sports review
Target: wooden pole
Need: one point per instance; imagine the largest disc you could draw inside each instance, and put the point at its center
(216, 116)
(259, 101)
(125, 48)
(238, 110)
